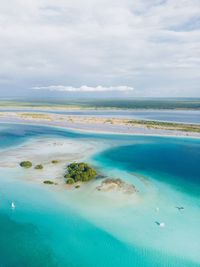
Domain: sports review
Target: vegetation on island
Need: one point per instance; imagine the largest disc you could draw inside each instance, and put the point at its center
(35, 116)
(76, 172)
(166, 125)
(48, 182)
(160, 125)
(79, 172)
(26, 164)
(55, 161)
(39, 167)
(70, 181)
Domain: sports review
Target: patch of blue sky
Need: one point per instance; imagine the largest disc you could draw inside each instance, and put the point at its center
(191, 25)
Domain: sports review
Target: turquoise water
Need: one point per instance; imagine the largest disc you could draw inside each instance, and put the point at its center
(59, 228)
(171, 160)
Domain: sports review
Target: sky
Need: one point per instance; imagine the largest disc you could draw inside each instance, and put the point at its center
(101, 48)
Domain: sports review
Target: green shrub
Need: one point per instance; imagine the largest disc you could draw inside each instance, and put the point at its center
(54, 161)
(80, 172)
(48, 182)
(39, 167)
(67, 175)
(70, 181)
(26, 164)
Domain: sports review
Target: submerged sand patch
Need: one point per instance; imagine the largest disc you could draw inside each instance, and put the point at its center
(44, 151)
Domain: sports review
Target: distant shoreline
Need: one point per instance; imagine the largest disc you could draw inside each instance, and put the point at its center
(82, 108)
(106, 104)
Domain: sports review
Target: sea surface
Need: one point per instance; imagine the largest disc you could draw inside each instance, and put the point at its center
(51, 227)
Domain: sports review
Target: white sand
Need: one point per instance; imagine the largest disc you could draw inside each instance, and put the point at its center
(43, 151)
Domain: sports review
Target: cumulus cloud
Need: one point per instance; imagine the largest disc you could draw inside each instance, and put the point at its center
(85, 88)
(145, 43)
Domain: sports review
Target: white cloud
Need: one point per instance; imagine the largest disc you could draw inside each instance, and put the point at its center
(84, 88)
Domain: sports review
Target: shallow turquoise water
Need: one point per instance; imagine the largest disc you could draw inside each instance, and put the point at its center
(44, 230)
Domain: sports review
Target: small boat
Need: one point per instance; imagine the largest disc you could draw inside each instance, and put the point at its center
(13, 205)
(161, 224)
(180, 208)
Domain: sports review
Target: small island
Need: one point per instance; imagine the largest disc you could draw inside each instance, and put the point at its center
(48, 182)
(55, 161)
(39, 167)
(79, 172)
(26, 164)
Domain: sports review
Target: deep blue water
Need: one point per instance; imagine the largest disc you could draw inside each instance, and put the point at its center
(171, 160)
(44, 231)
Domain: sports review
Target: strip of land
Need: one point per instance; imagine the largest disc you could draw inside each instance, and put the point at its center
(99, 124)
(135, 103)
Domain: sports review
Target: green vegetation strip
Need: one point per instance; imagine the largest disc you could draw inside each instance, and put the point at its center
(167, 125)
(136, 103)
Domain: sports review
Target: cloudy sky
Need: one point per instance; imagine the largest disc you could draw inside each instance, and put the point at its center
(100, 47)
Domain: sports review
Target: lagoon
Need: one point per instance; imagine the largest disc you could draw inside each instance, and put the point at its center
(55, 227)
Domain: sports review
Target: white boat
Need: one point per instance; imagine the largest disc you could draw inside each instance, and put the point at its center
(162, 224)
(13, 205)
